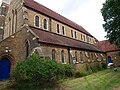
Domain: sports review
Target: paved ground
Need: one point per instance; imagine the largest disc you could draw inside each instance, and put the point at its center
(118, 88)
(4, 84)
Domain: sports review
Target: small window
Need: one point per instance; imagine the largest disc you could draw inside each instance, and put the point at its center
(45, 24)
(53, 54)
(63, 30)
(62, 56)
(36, 21)
(58, 31)
(75, 34)
(71, 33)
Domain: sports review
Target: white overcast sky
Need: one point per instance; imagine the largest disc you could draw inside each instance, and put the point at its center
(83, 12)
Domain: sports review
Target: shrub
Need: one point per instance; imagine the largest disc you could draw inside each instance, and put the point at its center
(34, 70)
(78, 74)
(68, 70)
(81, 74)
(95, 68)
(104, 65)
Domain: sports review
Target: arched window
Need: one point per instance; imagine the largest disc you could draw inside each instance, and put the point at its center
(10, 27)
(36, 21)
(81, 56)
(53, 54)
(62, 56)
(92, 56)
(110, 59)
(0, 10)
(13, 14)
(96, 56)
(63, 30)
(75, 34)
(58, 31)
(81, 37)
(87, 39)
(71, 33)
(27, 44)
(15, 20)
(76, 56)
(45, 24)
(84, 37)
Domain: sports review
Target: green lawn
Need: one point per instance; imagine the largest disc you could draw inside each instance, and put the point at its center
(103, 80)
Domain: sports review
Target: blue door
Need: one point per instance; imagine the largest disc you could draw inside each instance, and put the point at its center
(4, 69)
(110, 59)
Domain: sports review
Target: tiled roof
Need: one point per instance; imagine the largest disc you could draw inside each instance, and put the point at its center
(44, 10)
(106, 46)
(50, 38)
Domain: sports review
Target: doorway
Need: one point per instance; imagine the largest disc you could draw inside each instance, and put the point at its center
(4, 69)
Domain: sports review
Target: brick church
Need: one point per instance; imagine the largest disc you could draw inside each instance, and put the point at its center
(27, 26)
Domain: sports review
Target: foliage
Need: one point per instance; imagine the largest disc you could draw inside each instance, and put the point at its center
(91, 68)
(97, 67)
(81, 74)
(104, 65)
(111, 14)
(36, 71)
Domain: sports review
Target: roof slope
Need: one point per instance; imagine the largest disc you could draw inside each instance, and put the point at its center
(106, 46)
(50, 38)
(44, 10)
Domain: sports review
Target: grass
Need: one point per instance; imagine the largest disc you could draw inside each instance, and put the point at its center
(103, 80)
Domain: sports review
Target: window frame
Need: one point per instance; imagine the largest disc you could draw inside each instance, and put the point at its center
(37, 21)
(27, 46)
(62, 56)
(76, 56)
(44, 24)
(53, 54)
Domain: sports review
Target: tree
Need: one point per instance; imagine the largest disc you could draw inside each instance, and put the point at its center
(111, 15)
